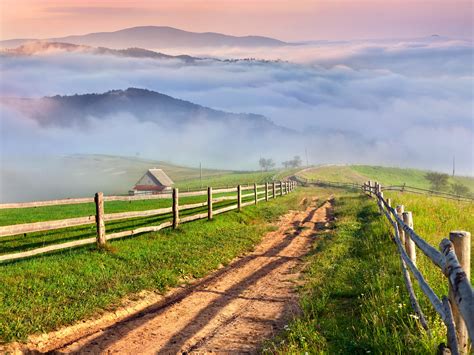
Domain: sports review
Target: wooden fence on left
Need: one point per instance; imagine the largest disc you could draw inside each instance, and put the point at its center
(217, 196)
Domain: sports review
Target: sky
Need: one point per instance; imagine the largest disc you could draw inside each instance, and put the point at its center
(290, 20)
(380, 90)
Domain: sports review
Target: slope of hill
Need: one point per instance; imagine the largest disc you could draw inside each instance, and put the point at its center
(82, 175)
(45, 47)
(385, 175)
(145, 105)
(159, 37)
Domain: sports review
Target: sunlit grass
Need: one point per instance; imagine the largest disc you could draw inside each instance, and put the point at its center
(49, 291)
(354, 299)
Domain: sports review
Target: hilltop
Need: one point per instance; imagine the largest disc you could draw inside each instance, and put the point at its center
(145, 105)
(152, 37)
(385, 175)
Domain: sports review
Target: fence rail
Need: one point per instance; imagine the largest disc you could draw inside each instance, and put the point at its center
(453, 258)
(99, 219)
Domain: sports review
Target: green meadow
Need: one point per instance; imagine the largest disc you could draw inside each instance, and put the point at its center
(385, 175)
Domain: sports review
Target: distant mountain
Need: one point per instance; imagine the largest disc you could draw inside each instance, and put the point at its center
(45, 47)
(144, 105)
(155, 37)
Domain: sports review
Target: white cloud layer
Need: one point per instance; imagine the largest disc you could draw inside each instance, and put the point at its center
(406, 103)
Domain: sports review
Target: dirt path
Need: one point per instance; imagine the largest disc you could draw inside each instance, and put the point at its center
(233, 310)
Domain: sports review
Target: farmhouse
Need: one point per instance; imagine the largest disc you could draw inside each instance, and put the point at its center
(154, 181)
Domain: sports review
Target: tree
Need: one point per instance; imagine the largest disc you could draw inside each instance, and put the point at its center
(266, 164)
(297, 161)
(459, 189)
(438, 181)
(293, 163)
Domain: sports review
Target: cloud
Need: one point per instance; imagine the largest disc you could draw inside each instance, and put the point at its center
(407, 103)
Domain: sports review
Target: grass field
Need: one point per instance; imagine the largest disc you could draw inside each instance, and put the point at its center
(84, 175)
(232, 179)
(384, 175)
(44, 293)
(354, 299)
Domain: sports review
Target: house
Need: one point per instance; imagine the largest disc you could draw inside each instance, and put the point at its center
(154, 181)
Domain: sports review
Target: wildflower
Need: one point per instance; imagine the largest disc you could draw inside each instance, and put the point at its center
(414, 316)
(400, 305)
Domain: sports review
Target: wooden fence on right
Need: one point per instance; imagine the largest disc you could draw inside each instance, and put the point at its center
(453, 258)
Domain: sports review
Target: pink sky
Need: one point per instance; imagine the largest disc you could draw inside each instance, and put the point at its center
(284, 19)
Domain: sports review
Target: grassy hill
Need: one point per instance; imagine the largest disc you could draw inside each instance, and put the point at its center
(385, 175)
(83, 175)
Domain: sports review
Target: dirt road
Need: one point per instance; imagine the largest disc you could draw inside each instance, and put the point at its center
(234, 310)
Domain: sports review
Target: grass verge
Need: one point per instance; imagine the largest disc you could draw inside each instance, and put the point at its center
(354, 299)
(44, 293)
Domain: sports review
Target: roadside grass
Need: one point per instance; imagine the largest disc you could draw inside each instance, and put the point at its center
(46, 292)
(354, 298)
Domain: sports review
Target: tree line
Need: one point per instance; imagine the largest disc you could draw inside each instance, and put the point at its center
(267, 164)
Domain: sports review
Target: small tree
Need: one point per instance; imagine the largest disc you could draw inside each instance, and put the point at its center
(297, 161)
(438, 181)
(266, 164)
(293, 163)
(459, 189)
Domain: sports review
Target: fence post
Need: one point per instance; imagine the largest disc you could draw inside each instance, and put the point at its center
(401, 232)
(281, 189)
(99, 218)
(462, 247)
(409, 243)
(266, 191)
(209, 203)
(255, 192)
(175, 208)
(239, 197)
(273, 187)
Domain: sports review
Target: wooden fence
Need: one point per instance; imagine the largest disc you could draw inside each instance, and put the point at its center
(270, 190)
(453, 258)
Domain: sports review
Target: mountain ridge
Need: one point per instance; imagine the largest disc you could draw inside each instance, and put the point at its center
(40, 47)
(146, 105)
(152, 37)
